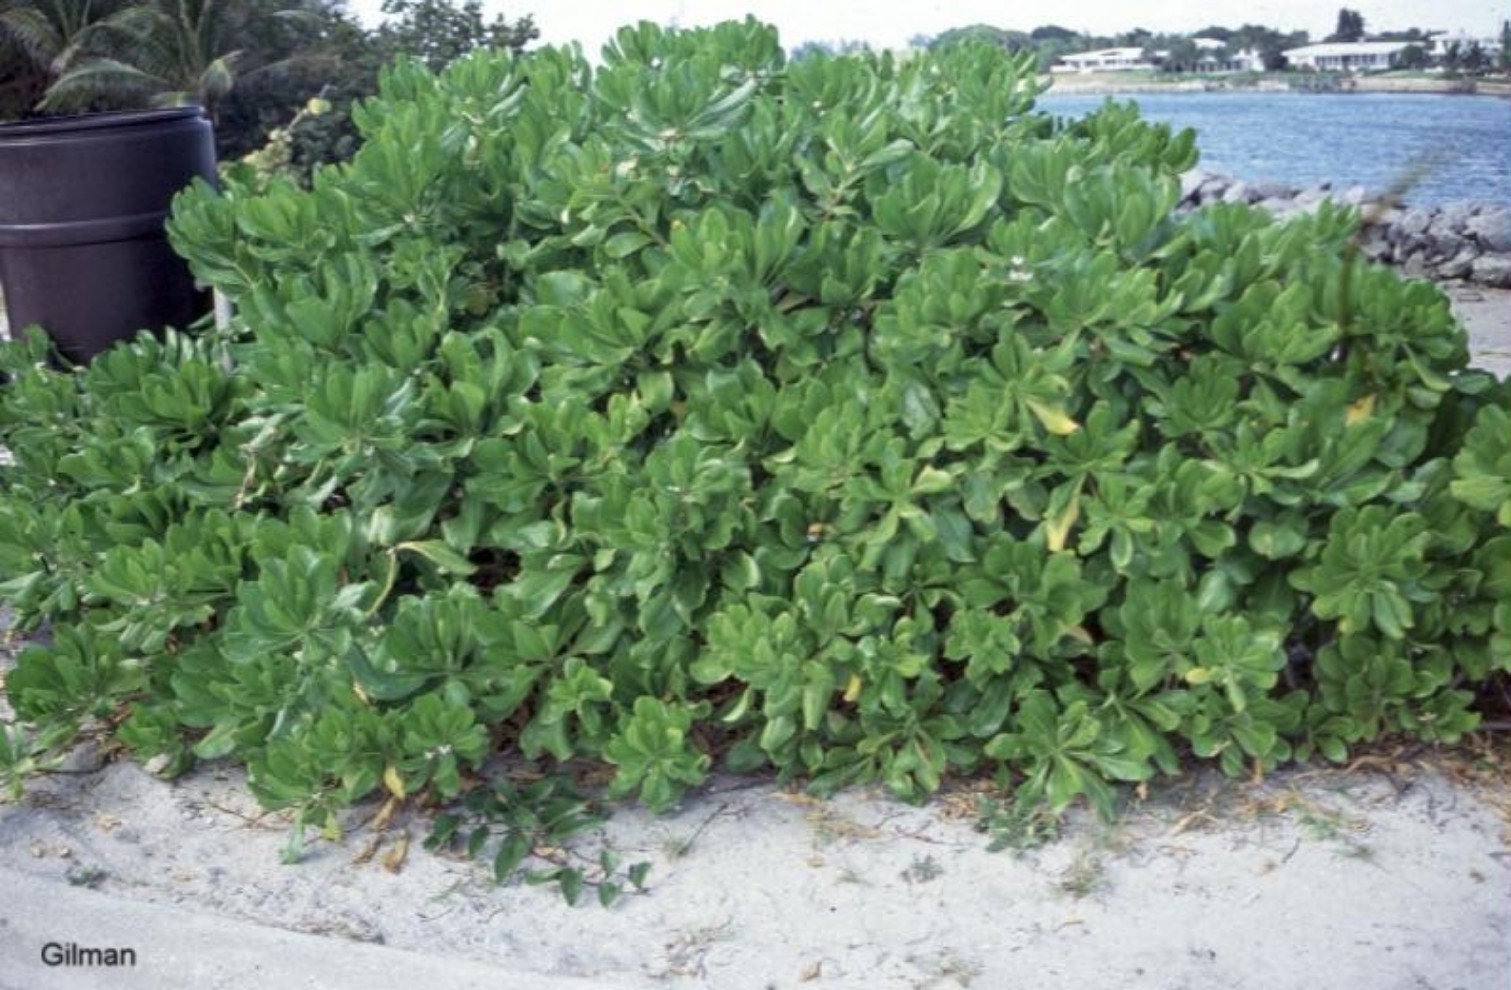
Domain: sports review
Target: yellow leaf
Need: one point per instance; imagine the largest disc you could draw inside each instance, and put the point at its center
(368, 851)
(798, 798)
(1198, 675)
(385, 814)
(852, 689)
(1080, 634)
(1053, 418)
(1361, 409)
(394, 782)
(394, 861)
(1056, 530)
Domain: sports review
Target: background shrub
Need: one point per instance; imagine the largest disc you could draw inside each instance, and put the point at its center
(844, 416)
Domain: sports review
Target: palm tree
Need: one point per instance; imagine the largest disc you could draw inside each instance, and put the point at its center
(38, 38)
(21, 80)
(49, 32)
(162, 52)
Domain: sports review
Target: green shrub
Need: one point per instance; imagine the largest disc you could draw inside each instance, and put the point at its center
(843, 416)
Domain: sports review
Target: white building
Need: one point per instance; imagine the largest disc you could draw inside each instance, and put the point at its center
(1106, 60)
(1212, 60)
(1438, 43)
(1355, 56)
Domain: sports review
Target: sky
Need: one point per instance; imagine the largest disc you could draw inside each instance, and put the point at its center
(890, 24)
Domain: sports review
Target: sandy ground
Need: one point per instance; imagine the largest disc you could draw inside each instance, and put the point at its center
(1345, 880)
(1393, 875)
(1385, 878)
(1486, 314)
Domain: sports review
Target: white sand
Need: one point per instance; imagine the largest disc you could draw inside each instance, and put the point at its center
(1340, 880)
(1486, 314)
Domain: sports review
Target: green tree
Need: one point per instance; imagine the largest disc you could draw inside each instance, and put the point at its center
(848, 46)
(438, 31)
(1413, 57)
(283, 65)
(1051, 42)
(1268, 42)
(1474, 61)
(1410, 34)
(1179, 54)
(22, 80)
(162, 52)
(1453, 58)
(37, 39)
(1053, 32)
(1350, 26)
(1010, 41)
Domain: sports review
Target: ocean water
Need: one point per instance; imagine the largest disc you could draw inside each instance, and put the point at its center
(1348, 139)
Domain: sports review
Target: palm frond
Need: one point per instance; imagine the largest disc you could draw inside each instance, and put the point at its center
(136, 21)
(217, 79)
(176, 98)
(323, 61)
(136, 36)
(301, 17)
(88, 81)
(168, 49)
(33, 31)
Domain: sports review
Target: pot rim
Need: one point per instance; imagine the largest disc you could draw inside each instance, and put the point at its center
(97, 121)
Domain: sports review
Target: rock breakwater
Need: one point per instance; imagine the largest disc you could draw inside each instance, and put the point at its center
(1468, 242)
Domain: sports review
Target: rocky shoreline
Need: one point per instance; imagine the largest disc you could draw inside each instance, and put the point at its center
(1468, 242)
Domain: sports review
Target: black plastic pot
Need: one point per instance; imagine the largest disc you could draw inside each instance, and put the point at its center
(83, 252)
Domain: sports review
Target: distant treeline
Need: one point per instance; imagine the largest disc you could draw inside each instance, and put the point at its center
(1182, 52)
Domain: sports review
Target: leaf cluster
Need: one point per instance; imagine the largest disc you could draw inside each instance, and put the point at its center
(841, 416)
(535, 823)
